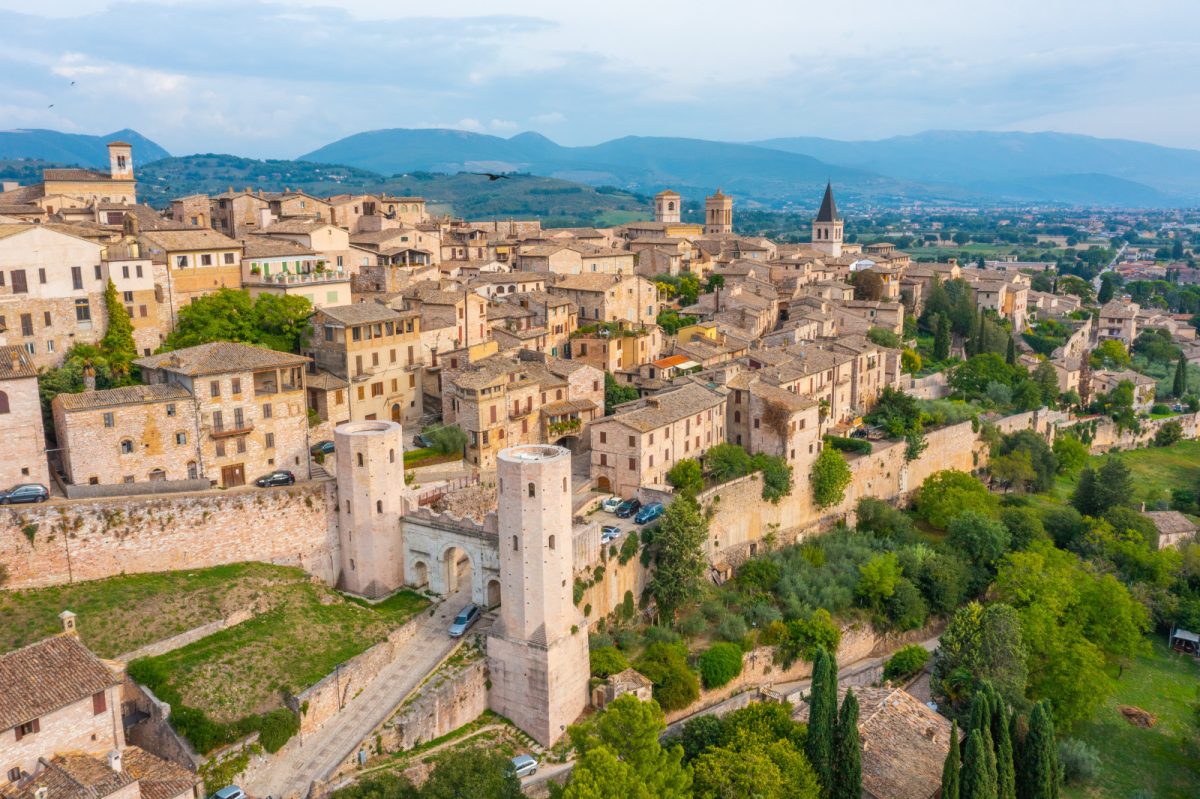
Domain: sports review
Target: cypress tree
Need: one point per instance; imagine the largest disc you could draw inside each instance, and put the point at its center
(822, 716)
(941, 338)
(1010, 357)
(989, 759)
(981, 711)
(117, 343)
(1180, 387)
(847, 751)
(1006, 785)
(1040, 761)
(974, 783)
(952, 766)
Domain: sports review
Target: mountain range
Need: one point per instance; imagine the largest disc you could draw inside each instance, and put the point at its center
(965, 168)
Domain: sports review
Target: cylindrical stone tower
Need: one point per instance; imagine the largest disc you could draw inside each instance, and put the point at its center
(537, 649)
(370, 482)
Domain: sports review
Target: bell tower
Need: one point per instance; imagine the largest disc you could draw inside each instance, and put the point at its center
(718, 214)
(828, 227)
(537, 649)
(120, 160)
(667, 207)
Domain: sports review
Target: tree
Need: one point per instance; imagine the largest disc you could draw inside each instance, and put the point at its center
(278, 322)
(1010, 355)
(483, 773)
(686, 476)
(822, 719)
(1083, 498)
(615, 393)
(117, 344)
(975, 782)
(829, 477)
(627, 732)
(947, 493)
(1107, 289)
(1170, 433)
(1037, 776)
(1006, 787)
(1024, 526)
(1013, 470)
(689, 289)
(679, 573)
(983, 539)
(910, 361)
(881, 520)
(877, 579)
(941, 339)
(1110, 354)
(381, 785)
(719, 664)
(980, 644)
(884, 338)
(1072, 453)
(606, 661)
(868, 285)
(951, 767)
(1179, 386)
(972, 378)
(725, 462)
(1114, 485)
(1041, 457)
(847, 752)
(447, 439)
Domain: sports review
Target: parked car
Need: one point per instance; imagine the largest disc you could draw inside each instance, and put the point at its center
(628, 508)
(229, 792)
(463, 621)
(422, 440)
(649, 513)
(322, 448)
(25, 492)
(524, 766)
(609, 532)
(610, 504)
(279, 477)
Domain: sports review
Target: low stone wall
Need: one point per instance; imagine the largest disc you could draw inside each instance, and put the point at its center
(185, 638)
(153, 731)
(1107, 437)
(69, 541)
(319, 703)
(453, 696)
(147, 488)
(607, 594)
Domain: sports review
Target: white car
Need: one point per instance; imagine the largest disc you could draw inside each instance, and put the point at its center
(609, 532)
(610, 504)
(524, 766)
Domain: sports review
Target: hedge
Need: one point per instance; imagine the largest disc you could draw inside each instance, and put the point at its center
(849, 444)
(719, 664)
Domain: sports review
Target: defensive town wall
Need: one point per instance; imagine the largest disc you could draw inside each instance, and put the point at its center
(70, 541)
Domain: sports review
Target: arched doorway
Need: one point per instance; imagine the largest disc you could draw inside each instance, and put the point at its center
(395, 412)
(604, 484)
(456, 564)
(420, 574)
(493, 593)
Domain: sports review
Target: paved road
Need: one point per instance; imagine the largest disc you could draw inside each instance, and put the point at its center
(320, 753)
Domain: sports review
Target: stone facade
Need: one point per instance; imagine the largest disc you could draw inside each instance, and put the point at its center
(370, 471)
(537, 649)
(21, 420)
(197, 262)
(610, 298)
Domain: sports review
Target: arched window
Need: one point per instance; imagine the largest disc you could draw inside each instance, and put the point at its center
(191, 470)
(671, 206)
(532, 490)
(158, 474)
(551, 542)
(360, 459)
(126, 446)
(391, 456)
(3, 402)
(379, 506)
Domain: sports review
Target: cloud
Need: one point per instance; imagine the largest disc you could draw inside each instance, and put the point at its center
(551, 118)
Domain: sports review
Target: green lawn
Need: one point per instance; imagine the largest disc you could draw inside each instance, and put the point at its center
(1155, 469)
(123, 613)
(248, 668)
(1158, 759)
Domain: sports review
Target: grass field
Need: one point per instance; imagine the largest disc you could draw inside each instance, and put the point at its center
(249, 668)
(1157, 760)
(1155, 469)
(121, 614)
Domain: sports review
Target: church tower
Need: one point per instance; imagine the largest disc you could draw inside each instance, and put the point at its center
(120, 160)
(827, 228)
(537, 649)
(667, 207)
(370, 481)
(718, 214)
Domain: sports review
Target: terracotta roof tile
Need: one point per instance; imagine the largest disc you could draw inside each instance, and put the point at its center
(49, 675)
(220, 357)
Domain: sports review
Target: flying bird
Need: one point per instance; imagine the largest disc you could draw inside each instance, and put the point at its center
(492, 177)
(50, 106)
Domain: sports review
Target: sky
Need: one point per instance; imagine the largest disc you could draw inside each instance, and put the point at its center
(274, 79)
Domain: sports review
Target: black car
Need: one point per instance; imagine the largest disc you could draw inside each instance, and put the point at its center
(628, 508)
(422, 440)
(25, 492)
(322, 448)
(280, 477)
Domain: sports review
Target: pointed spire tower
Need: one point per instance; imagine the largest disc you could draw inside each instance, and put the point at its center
(827, 228)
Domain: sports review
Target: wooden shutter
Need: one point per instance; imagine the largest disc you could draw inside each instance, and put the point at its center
(98, 703)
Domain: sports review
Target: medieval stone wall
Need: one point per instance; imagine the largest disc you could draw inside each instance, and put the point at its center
(70, 541)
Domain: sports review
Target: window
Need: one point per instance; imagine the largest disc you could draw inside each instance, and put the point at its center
(328, 333)
(266, 410)
(206, 259)
(42, 276)
(19, 286)
(737, 416)
(360, 459)
(220, 449)
(108, 420)
(239, 419)
(128, 296)
(236, 385)
(603, 438)
(126, 447)
(228, 259)
(633, 464)
(218, 422)
(83, 311)
(241, 445)
(181, 261)
(603, 459)
(191, 470)
(125, 271)
(516, 546)
(377, 389)
(214, 388)
(28, 728)
(99, 703)
(550, 541)
(270, 441)
(532, 489)
(180, 439)
(137, 269)
(14, 774)
(170, 409)
(76, 277)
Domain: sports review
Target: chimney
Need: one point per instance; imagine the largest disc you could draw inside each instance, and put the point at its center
(68, 623)
(114, 760)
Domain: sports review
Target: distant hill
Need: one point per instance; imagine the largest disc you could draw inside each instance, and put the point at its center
(466, 195)
(694, 167)
(1058, 167)
(76, 149)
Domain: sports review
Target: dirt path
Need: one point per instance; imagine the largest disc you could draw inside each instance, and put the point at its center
(319, 754)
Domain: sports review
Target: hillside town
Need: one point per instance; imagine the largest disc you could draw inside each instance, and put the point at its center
(512, 481)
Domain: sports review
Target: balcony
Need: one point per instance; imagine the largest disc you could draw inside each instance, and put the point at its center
(228, 432)
(303, 278)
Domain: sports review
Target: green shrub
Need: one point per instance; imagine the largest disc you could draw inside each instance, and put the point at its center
(1078, 761)
(276, 727)
(1160, 408)
(675, 685)
(906, 662)
(731, 628)
(719, 664)
(629, 548)
(447, 440)
(607, 661)
(848, 444)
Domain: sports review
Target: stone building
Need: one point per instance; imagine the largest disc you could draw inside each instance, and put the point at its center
(828, 227)
(718, 214)
(1118, 321)
(377, 350)
(772, 420)
(330, 243)
(610, 298)
(61, 732)
(617, 346)
(51, 291)
(21, 430)
(282, 267)
(522, 398)
(62, 189)
(249, 406)
(537, 648)
(575, 259)
(370, 470)
(639, 443)
(667, 207)
(197, 262)
(139, 283)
